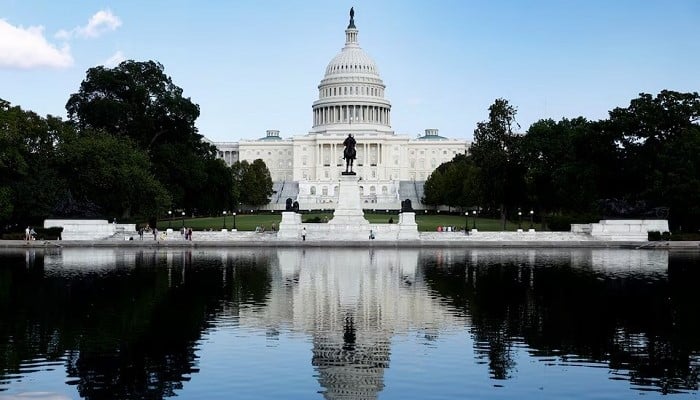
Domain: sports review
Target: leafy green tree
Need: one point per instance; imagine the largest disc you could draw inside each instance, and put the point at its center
(571, 164)
(453, 183)
(29, 183)
(112, 173)
(216, 189)
(434, 189)
(496, 151)
(138, 101)
(252, 183)
(258, 184)
(657, 135)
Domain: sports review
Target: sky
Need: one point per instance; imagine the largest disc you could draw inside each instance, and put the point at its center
(254, 65)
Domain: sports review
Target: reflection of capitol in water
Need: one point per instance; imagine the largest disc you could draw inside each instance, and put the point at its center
(352, 302)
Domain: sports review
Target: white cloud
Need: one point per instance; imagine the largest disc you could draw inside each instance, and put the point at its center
(101, 22)
(114, 60)
(27, 48)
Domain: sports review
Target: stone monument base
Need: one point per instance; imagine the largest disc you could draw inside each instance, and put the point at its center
(349, 209)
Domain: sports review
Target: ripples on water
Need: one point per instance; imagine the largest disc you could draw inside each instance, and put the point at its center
(106, 323)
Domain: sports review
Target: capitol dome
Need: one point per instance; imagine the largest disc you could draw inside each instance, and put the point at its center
(351, 93)
(352, 60)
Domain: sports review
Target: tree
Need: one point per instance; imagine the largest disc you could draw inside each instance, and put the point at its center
(112, 173)
(252, 183)
(496, 152)
(659, 137)
(570, 165)
(138, 101)
(29, 182)
(453, 183)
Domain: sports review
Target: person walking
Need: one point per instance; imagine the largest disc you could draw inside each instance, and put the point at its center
(27, 237)
(303, 234)
(189, 234)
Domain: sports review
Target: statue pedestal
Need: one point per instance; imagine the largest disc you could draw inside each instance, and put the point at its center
(349, 209)
(408, 228)
(290, 226)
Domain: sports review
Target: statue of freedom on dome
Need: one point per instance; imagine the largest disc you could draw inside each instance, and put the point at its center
(351, 25)
(349, 154)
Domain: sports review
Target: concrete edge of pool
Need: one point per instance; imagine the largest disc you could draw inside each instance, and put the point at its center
(421, 243)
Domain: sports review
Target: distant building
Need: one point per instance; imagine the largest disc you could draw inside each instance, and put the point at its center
(351, 100)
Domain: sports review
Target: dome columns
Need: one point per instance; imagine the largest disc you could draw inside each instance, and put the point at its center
(352, 113)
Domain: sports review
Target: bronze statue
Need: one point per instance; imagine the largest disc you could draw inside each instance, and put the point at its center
(349, 154)
(351, 25)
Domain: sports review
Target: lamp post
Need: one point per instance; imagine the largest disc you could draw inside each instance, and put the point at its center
(466, 223)
(183, 219)
(224, 219)
(474, 214)
(170, 219)
(532, 213)
(234, 220)
(520, 220)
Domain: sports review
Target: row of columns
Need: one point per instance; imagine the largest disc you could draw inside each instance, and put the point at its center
(229, 157)
(352, 113)
(333, 153)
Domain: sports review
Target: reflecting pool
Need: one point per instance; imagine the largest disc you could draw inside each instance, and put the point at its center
(349, 323)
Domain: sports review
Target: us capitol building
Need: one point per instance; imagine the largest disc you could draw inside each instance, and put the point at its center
(351, 100)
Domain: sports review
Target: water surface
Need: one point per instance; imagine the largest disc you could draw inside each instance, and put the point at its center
(355, 324)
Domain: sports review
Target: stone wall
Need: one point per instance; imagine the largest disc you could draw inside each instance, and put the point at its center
(622, 229)
(88, 229)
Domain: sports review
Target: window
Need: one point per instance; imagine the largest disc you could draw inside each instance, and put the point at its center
(312, 190)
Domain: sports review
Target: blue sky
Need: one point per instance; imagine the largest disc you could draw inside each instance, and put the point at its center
(255, 65)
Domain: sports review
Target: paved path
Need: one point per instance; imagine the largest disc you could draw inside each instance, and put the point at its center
(426, 241)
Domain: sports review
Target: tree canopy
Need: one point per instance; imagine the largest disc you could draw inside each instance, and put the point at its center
(640, 162)
(138, 101)
(252, 184)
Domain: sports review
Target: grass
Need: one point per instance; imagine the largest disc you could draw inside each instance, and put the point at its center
(426, 222)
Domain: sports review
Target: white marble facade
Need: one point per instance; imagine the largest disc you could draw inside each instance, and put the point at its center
(350, 101)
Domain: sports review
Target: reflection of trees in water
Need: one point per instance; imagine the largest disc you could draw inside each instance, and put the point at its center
(649, 327)
(125, 333)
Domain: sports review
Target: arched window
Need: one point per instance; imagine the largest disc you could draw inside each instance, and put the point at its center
(312, 190)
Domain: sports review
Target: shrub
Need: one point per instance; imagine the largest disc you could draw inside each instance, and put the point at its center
(653, 236)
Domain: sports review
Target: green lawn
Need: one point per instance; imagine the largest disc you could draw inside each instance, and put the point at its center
(426, 222)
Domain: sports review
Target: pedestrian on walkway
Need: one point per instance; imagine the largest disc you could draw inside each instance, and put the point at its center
(303, 234)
